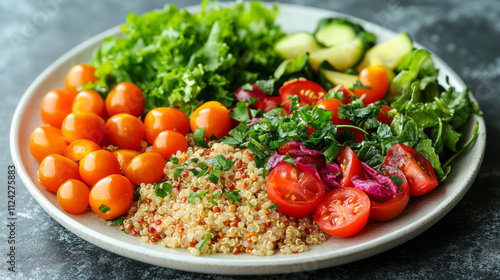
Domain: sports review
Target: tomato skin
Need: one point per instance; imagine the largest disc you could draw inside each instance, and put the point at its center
(389, 209)
(349, 164)
(73, 196)
(375, 77)
(382, 114)
(168, 142)
(125, 97)
(46, 140)
(113, 191)
(78, 149)
(417, 169)
(89, 100)
(146, 168)
(308, 91)
(214, 117)
(124, 157)
(295, 189)
(343, 212)
(56, 105)
(79, 75)
(267, 103)
(83, 125)
(97, 165)
(333, 105)
(55, 170)
(125, 131)
(165, 118)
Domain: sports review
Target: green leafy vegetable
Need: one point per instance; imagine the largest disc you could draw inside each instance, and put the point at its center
(162, 189)
(200, 244)
(103, 208)
(199, 138)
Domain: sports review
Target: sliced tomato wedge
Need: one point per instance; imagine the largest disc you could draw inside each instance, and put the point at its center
(349, 164)
(267, 103)
(343, 212)
(417, 169)
(309, 92)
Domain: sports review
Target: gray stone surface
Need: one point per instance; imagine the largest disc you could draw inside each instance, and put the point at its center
(465, 244)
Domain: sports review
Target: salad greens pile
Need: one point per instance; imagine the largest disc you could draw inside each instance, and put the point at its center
(182, 60)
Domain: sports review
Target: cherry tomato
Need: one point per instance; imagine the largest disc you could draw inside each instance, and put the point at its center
(83, 125)
(333, 105)
(78, 149)
(309, 92)
(349, 164)
(111, 196)
(417, 169)
(98, 165)
(267, 103)
(168, 142)
(343, 212)
(55, 170)
(124, 157)
(164, 118)
(146, 168)
(73, 196)
(296, 189)
(393, 206)
(79, 75)
(214, 117)
(125, 131)
(244, 94)
(56, 105)
(46, 140)
(89, 100)
(375, 78)
(382, 114)
(126, 98)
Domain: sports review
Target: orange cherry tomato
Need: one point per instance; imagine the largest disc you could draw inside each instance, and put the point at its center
(146, 168)
(56, 105)
(78, 149)
(111, 196)
(89, 100)
(126, 98)
(164, 118)
(98, 165)
(55, 170)
(83, 125)
(168, 142)
(125, 131)
(375, 79)
(46, 140)
(80, 75)
(333, 105)
(124, 157)
(73, 196)
(214, 117)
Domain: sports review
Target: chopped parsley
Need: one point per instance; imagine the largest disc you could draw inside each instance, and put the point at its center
(162, 189)
(200, 244)
(103, 208)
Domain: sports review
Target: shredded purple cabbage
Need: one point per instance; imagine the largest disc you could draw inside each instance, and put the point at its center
(273, 160)
(329, 175)
(254, 121)
(374, 184)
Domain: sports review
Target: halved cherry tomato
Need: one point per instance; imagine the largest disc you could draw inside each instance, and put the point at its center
(343, 212)
(125, 131)
(309, 92)
(375, 78)
(267, 103)
(55, 170)
(214, 117)
(146, 168)
(46, 140)
(83, 125)
(78, 149)
(124, 157)
(89, 100)
(73, 196)
(164, 118)
(417, 169)
(56, 105)
(111, 196)
(125, 97)
(80, 75)
(168, 142)
(296, 189)
(98, 165)
(394, 205)
(349, 164)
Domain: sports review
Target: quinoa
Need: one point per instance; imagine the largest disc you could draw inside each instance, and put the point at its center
(215, 221)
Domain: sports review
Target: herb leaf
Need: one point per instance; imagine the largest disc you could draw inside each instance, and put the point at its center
(103, 208)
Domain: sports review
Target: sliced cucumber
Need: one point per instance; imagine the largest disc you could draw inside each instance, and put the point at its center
(389, 53)
(294, 68)
(339, 78)
(335, 31)
(341, 57)
(296, 44)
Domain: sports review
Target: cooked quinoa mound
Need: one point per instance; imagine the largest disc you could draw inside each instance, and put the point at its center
(233, 215)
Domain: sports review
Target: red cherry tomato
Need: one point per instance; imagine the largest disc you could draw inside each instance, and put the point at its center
(343, 212)
(214, 117)
(309, 92)
(56, 105)
(98, 165)
(73, 196)
(267, 103)
(146, 168)
(125, 98)
(84, 125)
(164, 118)
(375, 79)
(89, 100)
(243, 94)
(417, 169)
(168, 142)
(79, 75)
(125, 131)
(296, 189)
(55, 170)
(111, 197)
(78, 149)
(46, 140)
(349, 164)
(393, 206)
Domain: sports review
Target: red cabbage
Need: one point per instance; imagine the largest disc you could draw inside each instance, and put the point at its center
(374, 184)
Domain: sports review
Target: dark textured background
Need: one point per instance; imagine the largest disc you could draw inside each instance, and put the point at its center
(464, 244)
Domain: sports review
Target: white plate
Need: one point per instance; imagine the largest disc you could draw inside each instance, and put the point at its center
(374, 238)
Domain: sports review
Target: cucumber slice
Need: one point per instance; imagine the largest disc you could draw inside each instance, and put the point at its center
(339, 78)
(292, 46)
(389, 53)
(294, 68)
(341, 57)
(335, 33)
